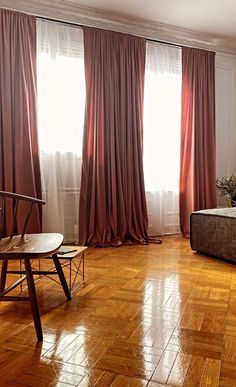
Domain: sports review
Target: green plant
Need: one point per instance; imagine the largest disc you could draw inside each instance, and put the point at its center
(227, 186)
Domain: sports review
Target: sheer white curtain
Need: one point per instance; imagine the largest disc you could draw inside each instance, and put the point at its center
(162, 116)
(61, 101)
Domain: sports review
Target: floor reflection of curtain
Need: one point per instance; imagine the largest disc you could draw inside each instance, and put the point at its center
(162, 114)
(61, 98)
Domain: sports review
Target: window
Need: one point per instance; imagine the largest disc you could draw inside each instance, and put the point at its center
(162, 115)
(61, 102)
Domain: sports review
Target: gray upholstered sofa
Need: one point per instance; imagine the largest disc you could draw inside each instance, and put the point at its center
(213, 232)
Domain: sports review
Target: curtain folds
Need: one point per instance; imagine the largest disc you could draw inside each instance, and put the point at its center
(19, 171)
(198, 154)
(112, 201)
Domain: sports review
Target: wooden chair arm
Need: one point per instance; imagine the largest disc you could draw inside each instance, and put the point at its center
(21, 197)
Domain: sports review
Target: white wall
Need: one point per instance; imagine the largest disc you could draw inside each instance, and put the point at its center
(225, 116)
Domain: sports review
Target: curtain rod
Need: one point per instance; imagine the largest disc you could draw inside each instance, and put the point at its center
(81, 25)
(177, 45)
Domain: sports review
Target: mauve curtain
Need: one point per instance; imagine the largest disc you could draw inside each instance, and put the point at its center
(112, 200)
(19, 170)
(198, 148)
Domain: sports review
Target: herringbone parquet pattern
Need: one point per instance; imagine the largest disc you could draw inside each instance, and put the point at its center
(151, 315)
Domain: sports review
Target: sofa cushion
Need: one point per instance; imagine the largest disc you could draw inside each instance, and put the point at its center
(213, 232)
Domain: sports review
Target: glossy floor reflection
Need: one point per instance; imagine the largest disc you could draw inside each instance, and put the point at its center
(151, 315)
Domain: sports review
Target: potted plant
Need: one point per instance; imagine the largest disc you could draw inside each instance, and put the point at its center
(227, 187)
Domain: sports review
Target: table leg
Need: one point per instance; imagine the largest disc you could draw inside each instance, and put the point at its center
(3, 275)
(61, 277)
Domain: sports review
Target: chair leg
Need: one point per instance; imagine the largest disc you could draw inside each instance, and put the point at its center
(33, 299)
(3, 275)
(61, 277)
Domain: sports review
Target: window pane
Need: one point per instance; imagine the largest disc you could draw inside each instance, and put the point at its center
(61, 103)
(162, 115)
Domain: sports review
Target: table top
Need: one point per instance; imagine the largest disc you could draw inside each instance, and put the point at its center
(79, 250)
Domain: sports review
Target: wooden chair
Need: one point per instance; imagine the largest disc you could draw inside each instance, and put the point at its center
(24, 248)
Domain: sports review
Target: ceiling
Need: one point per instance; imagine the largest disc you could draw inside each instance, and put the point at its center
(216, 17)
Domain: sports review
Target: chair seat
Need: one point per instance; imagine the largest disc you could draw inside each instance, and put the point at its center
(30, 245)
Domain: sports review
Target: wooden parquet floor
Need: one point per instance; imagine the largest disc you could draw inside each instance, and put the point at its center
(151, 315)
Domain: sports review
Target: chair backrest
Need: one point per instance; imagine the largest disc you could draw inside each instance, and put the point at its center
(4, 196)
